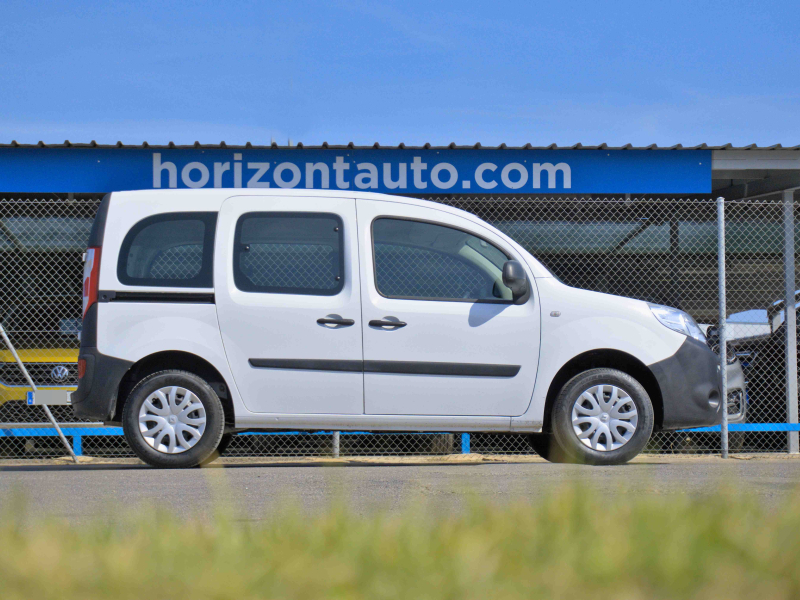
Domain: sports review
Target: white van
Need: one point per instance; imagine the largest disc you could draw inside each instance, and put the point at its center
(208, 312)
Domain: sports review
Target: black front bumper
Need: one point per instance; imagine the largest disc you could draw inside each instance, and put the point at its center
(690, 387)
(96, 396)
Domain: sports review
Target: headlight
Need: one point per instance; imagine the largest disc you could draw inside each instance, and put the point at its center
(677, 320)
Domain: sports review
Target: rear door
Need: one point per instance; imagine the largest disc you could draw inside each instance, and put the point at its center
(441, 333)
(288, 298)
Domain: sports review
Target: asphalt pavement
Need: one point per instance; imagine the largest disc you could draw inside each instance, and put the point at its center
(257, 488)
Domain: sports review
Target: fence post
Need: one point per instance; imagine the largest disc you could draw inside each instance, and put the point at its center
(77, 445)
(790, 319)
(335, 449)
(723, 325)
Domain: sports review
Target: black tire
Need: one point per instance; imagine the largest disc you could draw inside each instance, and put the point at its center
(224, 443)
(546, 446)
(566, 437)
(203, 450)
(736, 440)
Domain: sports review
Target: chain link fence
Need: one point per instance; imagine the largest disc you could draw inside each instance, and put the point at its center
(755, 239)
(661, 250)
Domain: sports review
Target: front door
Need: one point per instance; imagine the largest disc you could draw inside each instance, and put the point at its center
(441, 333)
(287, 291)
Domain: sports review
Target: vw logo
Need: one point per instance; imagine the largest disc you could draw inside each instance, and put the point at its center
(59, 373)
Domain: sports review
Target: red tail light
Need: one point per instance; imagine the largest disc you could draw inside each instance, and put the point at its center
(91, 278)
(81, 368)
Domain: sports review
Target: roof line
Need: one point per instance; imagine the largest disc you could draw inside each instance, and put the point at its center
(377, 146)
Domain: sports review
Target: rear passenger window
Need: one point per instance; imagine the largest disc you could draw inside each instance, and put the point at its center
(169, 250)
(289, 253)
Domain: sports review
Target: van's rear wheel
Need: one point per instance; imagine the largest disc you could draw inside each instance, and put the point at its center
(173, 419)
(602, 417)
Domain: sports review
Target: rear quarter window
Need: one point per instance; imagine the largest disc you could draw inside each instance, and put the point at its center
(169, 250)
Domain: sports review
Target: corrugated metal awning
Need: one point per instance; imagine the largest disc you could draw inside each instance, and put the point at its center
(376, 145)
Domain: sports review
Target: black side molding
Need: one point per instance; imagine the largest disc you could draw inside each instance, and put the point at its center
(308, 364)
(440, 368)
(384, 366)
(167, 297)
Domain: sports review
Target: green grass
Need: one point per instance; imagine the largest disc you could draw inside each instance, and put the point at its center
(572, 544)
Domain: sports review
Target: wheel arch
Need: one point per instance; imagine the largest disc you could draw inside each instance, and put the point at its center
(175, 360)
(609, 359)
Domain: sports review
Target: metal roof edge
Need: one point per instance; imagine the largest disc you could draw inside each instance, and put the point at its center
(299, 146)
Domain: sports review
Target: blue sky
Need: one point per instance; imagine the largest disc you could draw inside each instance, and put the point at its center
(515, 72)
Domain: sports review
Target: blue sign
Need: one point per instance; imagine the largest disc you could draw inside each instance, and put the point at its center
(409, 171)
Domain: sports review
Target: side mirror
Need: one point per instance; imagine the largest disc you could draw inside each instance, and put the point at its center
(514, 278)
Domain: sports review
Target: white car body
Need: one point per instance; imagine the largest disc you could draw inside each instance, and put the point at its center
(554, 326)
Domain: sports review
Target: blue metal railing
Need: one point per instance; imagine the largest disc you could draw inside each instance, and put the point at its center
(78, 433)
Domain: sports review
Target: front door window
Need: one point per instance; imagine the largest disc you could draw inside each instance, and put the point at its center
(425, 261)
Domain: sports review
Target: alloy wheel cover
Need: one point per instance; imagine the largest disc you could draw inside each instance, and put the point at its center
(604, 417)
(172, 420)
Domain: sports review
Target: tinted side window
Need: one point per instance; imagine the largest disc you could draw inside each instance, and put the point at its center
(432, 262)
(169, 250)
(289, 253)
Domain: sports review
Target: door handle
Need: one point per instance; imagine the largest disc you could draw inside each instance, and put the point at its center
(342, 322)
(386, 323)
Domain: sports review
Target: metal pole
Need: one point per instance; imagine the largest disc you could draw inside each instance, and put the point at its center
(723, 326)
(33, 387)
(674, 259)
(790, 319)
(335, 444)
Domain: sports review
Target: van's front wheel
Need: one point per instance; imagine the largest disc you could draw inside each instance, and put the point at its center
(173, 419)
(546, 446)
(602, 417)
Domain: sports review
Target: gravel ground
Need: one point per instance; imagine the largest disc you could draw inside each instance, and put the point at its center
(255, 488)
